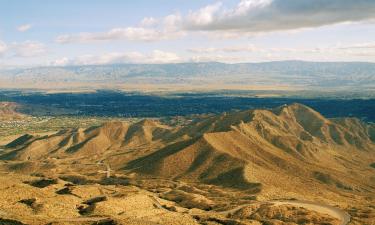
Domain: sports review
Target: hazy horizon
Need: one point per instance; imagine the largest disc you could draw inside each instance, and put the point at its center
(10, 67)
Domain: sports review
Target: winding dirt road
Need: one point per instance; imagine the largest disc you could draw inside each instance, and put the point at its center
(320, 208)
(343, 216)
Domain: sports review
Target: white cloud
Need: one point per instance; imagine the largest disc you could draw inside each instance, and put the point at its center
(218, 58)
(248, 5)
(154, 57)
(248, 17)
(275, 15)
(172, 23)
(226, 54)
(128, 33)
(369, 45)
(60, 62)
(150, 30)
(158, 56)
(228, 49)
(359, 51)
(108, 58)
(204, 15)
(22, 49)
(149, 22)
(27, 49)
(3, 47)
(24, 27)
(203, 50)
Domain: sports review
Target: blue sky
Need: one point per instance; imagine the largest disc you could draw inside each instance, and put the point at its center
(75, 32)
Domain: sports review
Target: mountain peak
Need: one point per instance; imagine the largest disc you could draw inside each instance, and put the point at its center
(148, 123)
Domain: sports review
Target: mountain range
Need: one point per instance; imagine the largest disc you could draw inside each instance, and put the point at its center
(283, 75)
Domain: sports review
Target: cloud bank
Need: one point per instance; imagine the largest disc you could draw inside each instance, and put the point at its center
(3, 47)
(154, 57)
(149, 30)
(275, 15)
(22, 49)
(248, 16)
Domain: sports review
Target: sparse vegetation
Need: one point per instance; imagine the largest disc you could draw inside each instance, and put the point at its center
(42, 183)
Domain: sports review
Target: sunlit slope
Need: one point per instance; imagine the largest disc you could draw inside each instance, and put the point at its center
(91, 142)
(285, 149)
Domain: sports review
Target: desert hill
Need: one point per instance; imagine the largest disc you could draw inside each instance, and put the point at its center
(289, 152)
(240, 149)
(90, 142)
(8, 111)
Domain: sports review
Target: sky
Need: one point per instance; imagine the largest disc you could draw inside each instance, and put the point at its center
(86, 32)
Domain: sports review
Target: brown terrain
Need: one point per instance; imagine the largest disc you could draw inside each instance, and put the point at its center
(288, 165)
(8, 111)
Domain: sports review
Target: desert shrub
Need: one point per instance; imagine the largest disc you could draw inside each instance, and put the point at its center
(42, 183)
(75, 179)
(10, 222)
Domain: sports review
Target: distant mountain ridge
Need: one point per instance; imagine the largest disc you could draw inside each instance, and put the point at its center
(293, 74)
